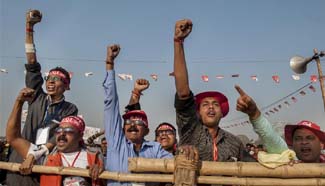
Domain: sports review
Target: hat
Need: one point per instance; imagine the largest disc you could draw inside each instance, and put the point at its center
(222, 99)
(138, 113)
(76, 122)
(165, 125)
(290, 129)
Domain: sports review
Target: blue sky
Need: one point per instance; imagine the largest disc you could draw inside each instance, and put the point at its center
(229, 37)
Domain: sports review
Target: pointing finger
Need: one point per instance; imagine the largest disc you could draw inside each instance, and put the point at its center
(239, 90)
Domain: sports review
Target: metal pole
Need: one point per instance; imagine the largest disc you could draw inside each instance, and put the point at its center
(320, 74)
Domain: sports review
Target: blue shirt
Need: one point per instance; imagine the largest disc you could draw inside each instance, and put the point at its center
(119, 148)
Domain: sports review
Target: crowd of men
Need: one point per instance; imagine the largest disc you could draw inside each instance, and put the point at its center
(53, 131)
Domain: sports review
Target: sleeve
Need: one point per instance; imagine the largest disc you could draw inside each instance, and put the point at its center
(186, 119)
(117, 152)
(271, 139)
(135, 106)
(34, 78)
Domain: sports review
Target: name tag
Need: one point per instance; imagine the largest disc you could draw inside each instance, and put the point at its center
(42, 135)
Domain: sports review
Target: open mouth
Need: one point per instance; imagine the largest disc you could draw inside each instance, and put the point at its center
(50, 88)
(211, 114)
(305, 150)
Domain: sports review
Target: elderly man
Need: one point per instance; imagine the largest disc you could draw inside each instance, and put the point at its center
(305, 138)
(45, 109)
(198, 117)
(124, 140)
(69, 151)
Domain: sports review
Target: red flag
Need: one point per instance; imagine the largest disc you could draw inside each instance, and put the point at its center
(312, 88)
(235, 75)
(205, 78)
(254, 77)
(294, 99)
(313, 78)
(276, 78)
(302, 93)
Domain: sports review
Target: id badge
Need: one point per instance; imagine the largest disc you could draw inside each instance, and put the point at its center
(42, 135)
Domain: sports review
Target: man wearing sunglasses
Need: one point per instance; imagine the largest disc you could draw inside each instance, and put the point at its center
(166, 136)
(69, 151)
(45, 109)
(124, 140)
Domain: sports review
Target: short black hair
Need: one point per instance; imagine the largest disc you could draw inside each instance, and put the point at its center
(165, 123)
(64, 71)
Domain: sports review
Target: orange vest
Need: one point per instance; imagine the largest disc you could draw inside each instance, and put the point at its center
(55, 160)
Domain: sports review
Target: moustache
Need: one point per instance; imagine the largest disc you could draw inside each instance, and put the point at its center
(63, 138)
(133, 129)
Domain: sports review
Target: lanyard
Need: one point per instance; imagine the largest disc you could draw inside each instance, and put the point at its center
(215, 150)
(73, 162)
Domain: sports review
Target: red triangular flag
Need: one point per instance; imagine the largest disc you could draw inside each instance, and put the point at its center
(205, 78)
(313, 78)
(276, 78)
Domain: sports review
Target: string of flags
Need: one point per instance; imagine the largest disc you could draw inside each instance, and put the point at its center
(204, 78)
(276, 107)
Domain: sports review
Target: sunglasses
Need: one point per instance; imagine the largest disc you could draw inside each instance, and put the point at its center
(53, 78)
(66, 130)
(166, 132)
(136, 122)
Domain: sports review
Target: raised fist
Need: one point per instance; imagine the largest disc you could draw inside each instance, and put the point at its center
(246, 104)
(182, 29)
(112, 52)
(33, 17)
(141, 85)
(26, 94)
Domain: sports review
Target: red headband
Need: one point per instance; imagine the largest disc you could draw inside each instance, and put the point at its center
(76, 122)
(61, 75)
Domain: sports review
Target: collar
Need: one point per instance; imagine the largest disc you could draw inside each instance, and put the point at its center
(48, 97)
(221, 134)
(144, 143)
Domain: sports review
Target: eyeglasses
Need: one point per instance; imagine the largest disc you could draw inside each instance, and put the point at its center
(66, 130)
(53, 78)
(136, 122)
(162, 132)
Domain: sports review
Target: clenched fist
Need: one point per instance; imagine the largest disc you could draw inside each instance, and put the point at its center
(141, 85)
(33, 17)
(26, 94)
(112, 53)
(182, 29)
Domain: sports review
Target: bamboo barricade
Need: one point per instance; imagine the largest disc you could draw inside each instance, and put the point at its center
(224, 180)
(242, 169)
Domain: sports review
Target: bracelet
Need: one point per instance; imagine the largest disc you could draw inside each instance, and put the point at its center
(30, 48)
(29, 30)
(178, 40)
(109, 62)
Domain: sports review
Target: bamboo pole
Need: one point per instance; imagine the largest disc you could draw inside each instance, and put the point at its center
(168, 178)
(252, 169)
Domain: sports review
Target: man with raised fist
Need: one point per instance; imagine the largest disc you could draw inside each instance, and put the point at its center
(45, 110)
(125, 138)
(198, 117)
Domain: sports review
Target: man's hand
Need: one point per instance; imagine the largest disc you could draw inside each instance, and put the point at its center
(112, 53)
(182, 29)
(95, 171)
(33, 17)
(246, 104)
(26, 94)
(189, 151)
(141, 85)
(27, 165)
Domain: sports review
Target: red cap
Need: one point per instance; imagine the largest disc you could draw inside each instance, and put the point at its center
(76, 121)
(289, 130)
(137, 113)
(222, 99)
